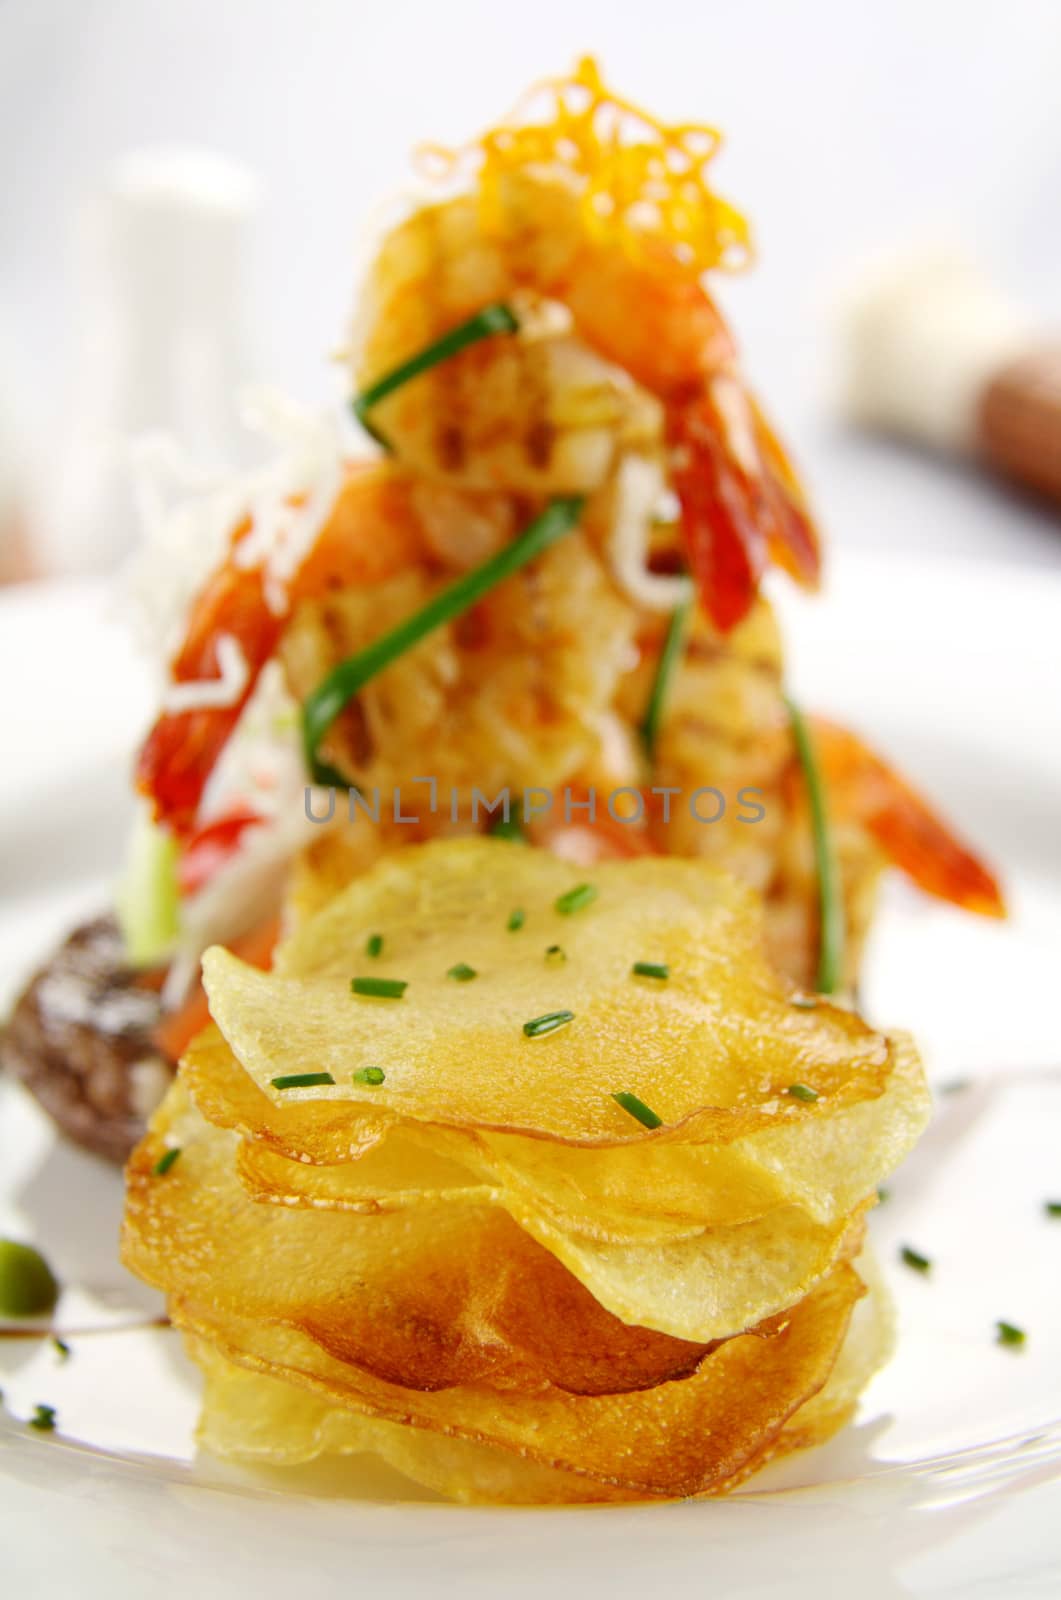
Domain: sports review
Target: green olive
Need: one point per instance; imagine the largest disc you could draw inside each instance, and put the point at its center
(27, 1283)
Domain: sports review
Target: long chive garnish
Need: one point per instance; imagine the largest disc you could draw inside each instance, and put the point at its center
(334, 693)
(370, 1075)
(913, 1258)
(830, 898)
(302, 1080)
(801, 1091)
(669, 657)
(537, 1026)
(379, 988)
(462, 972)
(583, 894)
(491, 319)
(164, 1162)
(1009, 1333)
(651, 969)
(637, 1108)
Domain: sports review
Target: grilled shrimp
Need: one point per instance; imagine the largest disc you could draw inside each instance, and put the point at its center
(612, 357)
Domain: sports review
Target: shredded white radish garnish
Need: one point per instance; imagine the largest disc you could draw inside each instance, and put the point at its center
(189, 516)
(639, 488)
(224, 690)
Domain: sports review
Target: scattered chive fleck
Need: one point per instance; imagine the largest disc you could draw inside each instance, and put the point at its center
(379, 988)
(516, 919)
(43, 1419)
(374, 945)
(508, 828)
(583, 894)
(801, 1091)
(637, 1108)
(555, 955)
(883, 1195)
(955, 1086)
(28, 1286)
(1052, 1208)
(335, 691)
(651, 969)
(302, 1080)
(497, 318)
(372, 1075)
(804, 1002)
(1008, 1333)
(62, 1349)
(669, 657)
(165, 1161)
(547, 1023)
(913, 1258)
(462, 972)
(830, 890)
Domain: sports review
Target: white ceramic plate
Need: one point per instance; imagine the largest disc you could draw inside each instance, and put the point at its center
(946, 1485)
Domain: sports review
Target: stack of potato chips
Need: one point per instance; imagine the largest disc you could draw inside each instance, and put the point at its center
(456, 1247)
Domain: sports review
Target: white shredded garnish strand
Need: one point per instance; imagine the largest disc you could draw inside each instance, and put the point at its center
(189, 516)
(639, 487)
(224, 690)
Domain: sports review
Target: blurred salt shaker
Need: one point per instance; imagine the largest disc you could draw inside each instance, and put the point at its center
(166, 341)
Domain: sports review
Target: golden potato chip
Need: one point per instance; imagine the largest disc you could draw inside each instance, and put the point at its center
(685, 1437)
(713, 1050)
(619, 1193)
(428, 1297)
(258, 1419)
(696, 1290)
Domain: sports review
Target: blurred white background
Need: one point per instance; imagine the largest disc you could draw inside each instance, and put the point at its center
(851, 128)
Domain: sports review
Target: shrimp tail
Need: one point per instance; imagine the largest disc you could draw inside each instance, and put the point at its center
(741, 503)
(862, 786)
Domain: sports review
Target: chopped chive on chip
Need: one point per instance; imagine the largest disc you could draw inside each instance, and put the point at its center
(462, 972)
(380, 988)
(374, 945)
(651, 969)
(516, 919)
(583, 894)
(43, 1419)
(801, 1091)
(804, 1002)
(62, 1349)
(913, 1258)
(508, 828)
(165, 1161)
(883, 1194)
(555, 955)
(1008, 1333)
(1052, 1208)
(548, 1023)
(302, 1080)
(372, 1075)
(637, 1108)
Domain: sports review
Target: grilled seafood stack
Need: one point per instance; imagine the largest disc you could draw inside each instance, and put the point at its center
(546, 578)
